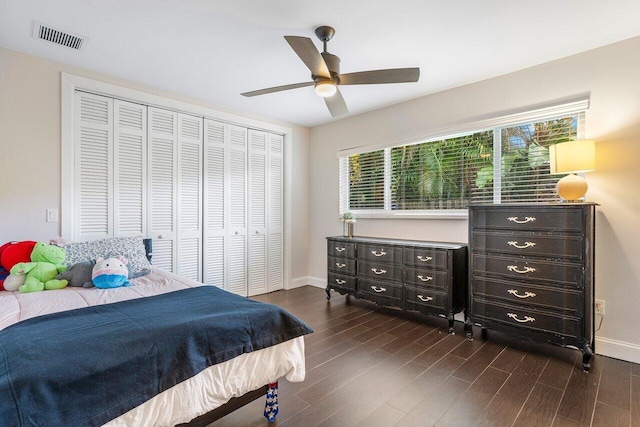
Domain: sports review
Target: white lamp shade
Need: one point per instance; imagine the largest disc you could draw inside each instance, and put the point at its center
(573, 156)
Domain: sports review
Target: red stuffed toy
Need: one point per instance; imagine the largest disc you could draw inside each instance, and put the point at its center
(14, 252)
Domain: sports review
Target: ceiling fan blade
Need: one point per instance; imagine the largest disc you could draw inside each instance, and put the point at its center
(395, 75)
(307, 51)
(336, 105)
(277, 89)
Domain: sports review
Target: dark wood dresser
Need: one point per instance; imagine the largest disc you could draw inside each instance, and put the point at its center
(531, 270)
(428, 277)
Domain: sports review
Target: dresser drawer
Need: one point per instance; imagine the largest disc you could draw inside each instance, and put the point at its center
(549, 245)
(527, 218)
(341, 249)
(427, 278)
(420, 297)
(527, 269)
(529, 318)
(379, 253)
(550, 298)
(380, 292)
(425, 257)
(341, 265)
(342, 281)
(380, 270)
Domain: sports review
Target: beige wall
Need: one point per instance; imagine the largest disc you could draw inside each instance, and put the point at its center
(30, 145)
(611, 75)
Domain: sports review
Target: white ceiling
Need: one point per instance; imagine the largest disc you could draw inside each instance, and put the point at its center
(215, 49)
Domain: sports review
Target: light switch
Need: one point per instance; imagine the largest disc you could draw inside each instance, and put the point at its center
(52, 215)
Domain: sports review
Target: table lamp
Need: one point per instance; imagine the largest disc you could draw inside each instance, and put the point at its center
(570, 157)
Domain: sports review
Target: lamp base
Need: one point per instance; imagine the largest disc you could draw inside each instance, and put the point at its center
(572, 188)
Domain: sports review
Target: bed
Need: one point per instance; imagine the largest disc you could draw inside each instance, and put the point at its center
(62, 383)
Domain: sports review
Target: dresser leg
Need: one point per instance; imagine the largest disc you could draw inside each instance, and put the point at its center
(328, 294)
(468, 327)
(450, 319)
(587, 352)
(483, 333)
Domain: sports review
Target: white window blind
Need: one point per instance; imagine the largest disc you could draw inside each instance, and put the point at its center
(508, 163)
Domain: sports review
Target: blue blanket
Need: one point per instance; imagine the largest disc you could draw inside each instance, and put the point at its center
(87, 366)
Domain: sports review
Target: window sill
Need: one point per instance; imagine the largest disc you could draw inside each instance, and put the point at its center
(433, 214)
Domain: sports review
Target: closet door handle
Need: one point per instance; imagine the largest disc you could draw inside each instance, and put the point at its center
(525, 246)
(525, 320)
(521, 221)
(375, 270)
(378, 290)
(424, 258)
(425, 278)
(515, 293)
(381, 253)
(425, 299)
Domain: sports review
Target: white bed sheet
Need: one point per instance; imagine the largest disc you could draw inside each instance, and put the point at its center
(200, 394)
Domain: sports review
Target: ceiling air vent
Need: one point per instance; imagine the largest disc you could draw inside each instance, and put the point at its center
(53, 35)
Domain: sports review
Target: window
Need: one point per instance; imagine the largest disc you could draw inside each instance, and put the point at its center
(508, 163)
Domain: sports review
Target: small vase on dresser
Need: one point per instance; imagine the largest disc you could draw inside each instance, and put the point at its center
(531, 270)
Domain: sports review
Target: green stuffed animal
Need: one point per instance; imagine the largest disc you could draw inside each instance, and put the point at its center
(46, 263)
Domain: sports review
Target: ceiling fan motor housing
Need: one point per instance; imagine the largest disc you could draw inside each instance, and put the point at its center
(333, 63)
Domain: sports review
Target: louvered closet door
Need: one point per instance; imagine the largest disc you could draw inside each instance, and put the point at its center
(236, 210)
(215, 229)
(189, 224)
(93, 174)
(257, 212)
(130, 169)
(163, 162)
(275, 252)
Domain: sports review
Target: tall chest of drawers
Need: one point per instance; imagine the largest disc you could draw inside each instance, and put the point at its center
(428, 277)
(531, 272)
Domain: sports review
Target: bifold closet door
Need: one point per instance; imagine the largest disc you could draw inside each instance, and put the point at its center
(162, 182)
(130, 169)
(258, 203)
(216, 168)
(189, 197)
(275, 229)
(237, 210)
(110, 168)
(93, 167)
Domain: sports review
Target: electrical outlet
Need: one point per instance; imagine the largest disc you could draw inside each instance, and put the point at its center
(600, 307)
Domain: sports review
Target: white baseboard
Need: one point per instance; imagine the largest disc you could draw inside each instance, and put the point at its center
(618, 349)
(318, 282)
(307, 280)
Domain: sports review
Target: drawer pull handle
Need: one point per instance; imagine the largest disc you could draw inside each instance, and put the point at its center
(339, 265)
(425, 299)
(425, 278)
(340, 249)
(515, 293)
(375, 270)
(525, 246)
(376, 289)
(526, 270)
(340, 281)
(521, 221)
(424, 258)
(525, 320)
(381, 253)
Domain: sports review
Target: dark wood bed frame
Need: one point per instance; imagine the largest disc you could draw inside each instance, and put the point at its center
(234, 403)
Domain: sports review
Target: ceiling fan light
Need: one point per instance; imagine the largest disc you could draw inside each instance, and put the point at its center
(326, 88)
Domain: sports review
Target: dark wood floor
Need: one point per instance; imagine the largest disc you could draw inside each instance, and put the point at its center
(372, 366)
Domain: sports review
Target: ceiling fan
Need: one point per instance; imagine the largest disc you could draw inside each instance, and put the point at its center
(325, 72)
